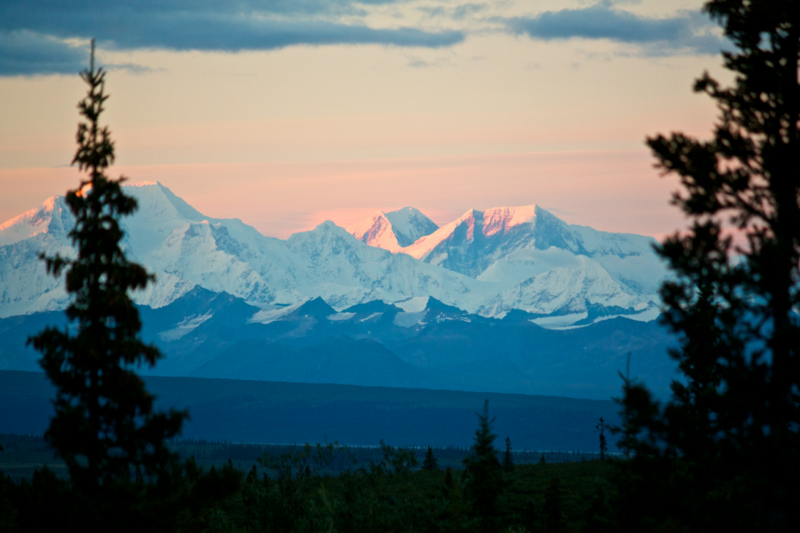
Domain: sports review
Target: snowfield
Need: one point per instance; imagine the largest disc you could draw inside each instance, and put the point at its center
(487, 262)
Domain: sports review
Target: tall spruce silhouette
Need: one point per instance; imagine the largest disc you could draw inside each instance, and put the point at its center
(105, 427)
(508, 459)
(484, 475)
(430, 462)
(728, 438)
(601, 429)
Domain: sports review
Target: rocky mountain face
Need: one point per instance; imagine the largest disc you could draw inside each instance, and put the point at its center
(488, 263)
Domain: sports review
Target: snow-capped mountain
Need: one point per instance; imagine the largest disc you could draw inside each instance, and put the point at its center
(394, 230)
(487, 245)
(185, 248)
(489, 262)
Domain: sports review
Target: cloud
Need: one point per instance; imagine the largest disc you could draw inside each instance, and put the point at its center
(459, 12)
(464, 10)
(26, 53)
(690, 31)
(204, 25)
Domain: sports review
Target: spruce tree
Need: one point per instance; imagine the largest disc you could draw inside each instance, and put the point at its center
(601, 429)
(728, 438)
(483, 473)
(430, 462)
(105, 427)
(508, 460)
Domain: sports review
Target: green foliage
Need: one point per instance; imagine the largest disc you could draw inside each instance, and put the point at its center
(601, 429)
(508, 460)
(483, 475)
(430, 462)
(396, 460)
(728, 438)
(598, 517)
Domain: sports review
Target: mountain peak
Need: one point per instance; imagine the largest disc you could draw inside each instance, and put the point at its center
(53, 216)
(393, 230)
(315, 307)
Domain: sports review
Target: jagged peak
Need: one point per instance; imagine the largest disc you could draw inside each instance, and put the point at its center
(315, 307)
(392, 230)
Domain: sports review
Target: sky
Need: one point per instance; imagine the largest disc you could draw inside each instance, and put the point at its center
(286, 113)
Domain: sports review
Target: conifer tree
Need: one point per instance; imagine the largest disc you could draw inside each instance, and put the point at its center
(430, 462)
(508, 460)
(484, 480)
(729, 435)
(105, 427)
(601, 429)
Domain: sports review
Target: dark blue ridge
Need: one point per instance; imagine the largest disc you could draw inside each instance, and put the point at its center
(207, 334)
(517, 315)
(375, 306)
(316, 307)
(436, 305)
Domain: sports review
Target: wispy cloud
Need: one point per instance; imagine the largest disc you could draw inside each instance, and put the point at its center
(459, 12)
(687, 32)
(33, 32)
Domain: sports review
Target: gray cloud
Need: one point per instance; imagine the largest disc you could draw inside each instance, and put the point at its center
(205, 25)
(459, 12)
(28, 53)
(690, 31)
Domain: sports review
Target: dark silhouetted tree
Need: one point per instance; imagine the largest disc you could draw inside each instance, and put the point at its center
(508, 460)
(600, 428)
(430, 462)
(728, 437)
(105, 427)
(483, 475)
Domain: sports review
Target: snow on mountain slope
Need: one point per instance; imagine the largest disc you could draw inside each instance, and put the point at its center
(394, 230)
(350, 272)
(410, 224)
(181, 246)
(185, 249)
(511, 245)
(565, 290)
(486, 261)
(469, 244)
(376, 231)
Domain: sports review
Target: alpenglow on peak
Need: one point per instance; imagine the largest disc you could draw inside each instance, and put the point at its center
(393, 230)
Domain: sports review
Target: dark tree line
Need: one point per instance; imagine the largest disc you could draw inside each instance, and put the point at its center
(721, 454)
(724, 450)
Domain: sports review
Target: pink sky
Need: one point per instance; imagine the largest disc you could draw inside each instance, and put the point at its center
(616, 191)
(287, 138)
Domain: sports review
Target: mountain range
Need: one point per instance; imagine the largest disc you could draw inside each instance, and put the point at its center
(505, 300)
(487, 263)
(420, 344)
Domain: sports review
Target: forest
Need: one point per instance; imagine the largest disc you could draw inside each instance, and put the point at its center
(720, 455)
